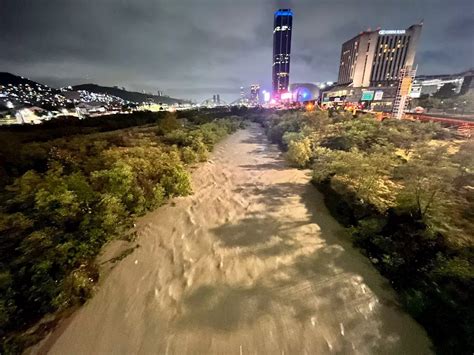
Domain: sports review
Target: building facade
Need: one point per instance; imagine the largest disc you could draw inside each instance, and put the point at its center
(374, 58)
(282, 29)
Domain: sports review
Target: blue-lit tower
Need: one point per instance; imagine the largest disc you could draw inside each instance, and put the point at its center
(282, 28)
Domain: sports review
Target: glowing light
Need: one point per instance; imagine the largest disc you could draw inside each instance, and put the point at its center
(284, 13)
(286, 96)
(266, 96)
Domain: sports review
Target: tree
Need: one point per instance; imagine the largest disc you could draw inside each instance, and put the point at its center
(446, 91)
(428, 184)
(169, 122)
(368, 175)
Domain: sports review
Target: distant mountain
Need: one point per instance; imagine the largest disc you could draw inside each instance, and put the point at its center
(127, 95)
(8, 78)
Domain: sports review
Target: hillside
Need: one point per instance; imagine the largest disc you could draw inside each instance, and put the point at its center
(127, 95)
(15, 80)
(21, 92)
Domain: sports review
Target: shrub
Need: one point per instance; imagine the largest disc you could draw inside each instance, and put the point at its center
(189, 156)
(299, 152)
(202, 153)
(176, 182)
(77, 287)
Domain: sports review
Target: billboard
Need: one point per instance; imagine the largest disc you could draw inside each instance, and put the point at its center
(367, 95)
(378, 95)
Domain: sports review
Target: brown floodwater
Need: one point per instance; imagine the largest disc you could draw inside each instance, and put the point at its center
(251, 263)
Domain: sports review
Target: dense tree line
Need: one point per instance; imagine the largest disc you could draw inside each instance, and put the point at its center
(69, 187)
(405, 191)
(459, 104)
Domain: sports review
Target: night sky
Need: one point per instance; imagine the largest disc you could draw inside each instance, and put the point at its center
(195, 48)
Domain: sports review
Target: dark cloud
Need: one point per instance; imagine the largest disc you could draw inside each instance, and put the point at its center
(195, 48)
(463, 27)
(435, 57)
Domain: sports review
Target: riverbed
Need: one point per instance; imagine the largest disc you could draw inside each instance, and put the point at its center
(251, 263)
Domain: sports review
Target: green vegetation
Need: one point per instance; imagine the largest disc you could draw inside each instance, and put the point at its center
(404, 190)
(446, 101)
(66, 188)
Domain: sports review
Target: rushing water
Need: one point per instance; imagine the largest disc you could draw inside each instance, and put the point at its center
(251, 263)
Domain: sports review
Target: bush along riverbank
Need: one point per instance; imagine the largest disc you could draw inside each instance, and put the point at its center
(64, 195)
(404, 190)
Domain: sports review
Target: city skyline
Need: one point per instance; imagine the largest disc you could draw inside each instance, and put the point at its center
(141, 45)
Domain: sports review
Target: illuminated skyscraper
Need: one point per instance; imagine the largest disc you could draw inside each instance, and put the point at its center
(282, 28)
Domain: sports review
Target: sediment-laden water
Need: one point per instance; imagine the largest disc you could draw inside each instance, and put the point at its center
(251, 263)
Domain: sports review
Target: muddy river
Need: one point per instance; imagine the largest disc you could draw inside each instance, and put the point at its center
(251, 263)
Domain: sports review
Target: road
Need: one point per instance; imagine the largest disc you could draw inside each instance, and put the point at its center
(251, 263)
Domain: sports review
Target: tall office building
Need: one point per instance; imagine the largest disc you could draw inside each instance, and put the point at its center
(374, 58)
(255, 94)
(216, 99)
(282, 28)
